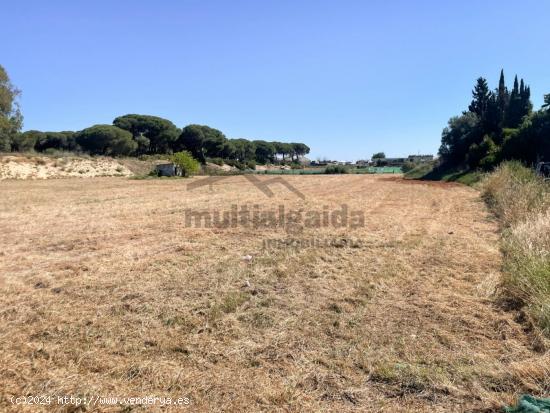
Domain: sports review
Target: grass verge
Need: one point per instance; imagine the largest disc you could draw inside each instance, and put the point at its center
(521, 200)
(432, 172)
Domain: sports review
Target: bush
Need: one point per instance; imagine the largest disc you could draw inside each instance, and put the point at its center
(155, 157)
(62, 141)
(251, 165)
(217, 161)
(186, 162)
(408, 166)
(296, 166)
(25, 142)
(336, 169)
(241, 166)
(419, 171)
(522, 201)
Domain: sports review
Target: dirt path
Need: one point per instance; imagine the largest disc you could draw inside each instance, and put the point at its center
(105, 291)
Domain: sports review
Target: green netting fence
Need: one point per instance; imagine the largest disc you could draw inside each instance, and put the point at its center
(320, 171)
(530, 404)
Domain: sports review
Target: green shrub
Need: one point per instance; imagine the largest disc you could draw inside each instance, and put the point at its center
(25, 142)
(186, 162)
(408, 166)
(419, 171)
(251, 165)
(241, 166)
(217, 161)
(336, 169)
(155, 157)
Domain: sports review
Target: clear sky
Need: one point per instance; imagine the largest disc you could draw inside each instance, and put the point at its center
(348, 78)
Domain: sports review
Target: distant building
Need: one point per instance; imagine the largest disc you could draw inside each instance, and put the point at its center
(168, 169)
(302, 160)
(318, 163)
(391, 161)
(420, 158)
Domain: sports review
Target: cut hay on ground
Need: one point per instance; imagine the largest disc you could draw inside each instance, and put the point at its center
(105, 291)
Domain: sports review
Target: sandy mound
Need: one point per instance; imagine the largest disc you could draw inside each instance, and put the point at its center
(43, 167)
(215, 167)
(272, 167)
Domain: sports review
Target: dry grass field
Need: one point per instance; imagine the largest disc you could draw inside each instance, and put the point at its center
(106, 291)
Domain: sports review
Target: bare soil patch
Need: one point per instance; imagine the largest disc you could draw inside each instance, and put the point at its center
(51, 167)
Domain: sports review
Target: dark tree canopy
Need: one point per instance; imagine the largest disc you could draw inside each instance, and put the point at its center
(152, 133)
(457, 137)
(206, 142)
(192, 139)
(265, 151)
(498, 125)
(379, 155)
(284, 149)
(62, 141)
(245, 150)
(11, 119)
(26, 141)
(519, 104)
(300, 149)
(214, 142)
(481, 96)
(135, 134)
(106, 140)
(531, 141)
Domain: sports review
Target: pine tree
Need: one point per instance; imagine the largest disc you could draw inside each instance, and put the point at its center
(481, 95)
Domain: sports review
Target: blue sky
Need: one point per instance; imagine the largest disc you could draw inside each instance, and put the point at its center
(348, 78)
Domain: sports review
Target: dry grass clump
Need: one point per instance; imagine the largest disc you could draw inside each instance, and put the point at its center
(515, 193)
(522, 201)
(526, 248)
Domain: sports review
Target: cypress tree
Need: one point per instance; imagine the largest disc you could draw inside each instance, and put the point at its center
(521, 88)
(514, 112)
(501, 83)
(503, 97)
(525, 97)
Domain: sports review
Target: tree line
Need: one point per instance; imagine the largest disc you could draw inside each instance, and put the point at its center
(134, 135)
(499, 125)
